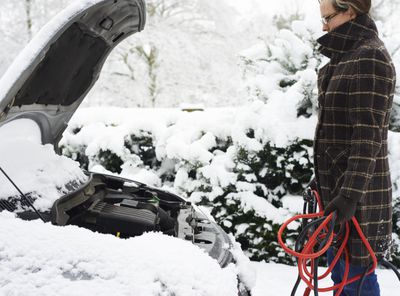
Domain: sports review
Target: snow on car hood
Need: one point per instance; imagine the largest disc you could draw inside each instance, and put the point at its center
(34, 167)
(50, 78)
(41, 259)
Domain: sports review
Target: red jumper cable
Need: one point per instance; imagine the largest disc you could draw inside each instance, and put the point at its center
(321, 238)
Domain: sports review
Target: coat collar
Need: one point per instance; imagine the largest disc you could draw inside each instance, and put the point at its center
(342, 38)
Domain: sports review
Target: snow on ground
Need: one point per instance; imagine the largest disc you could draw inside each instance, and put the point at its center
(35, 168)
(42, 259)
(279, 279)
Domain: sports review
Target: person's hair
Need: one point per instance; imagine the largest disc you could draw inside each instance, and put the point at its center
(359, 6)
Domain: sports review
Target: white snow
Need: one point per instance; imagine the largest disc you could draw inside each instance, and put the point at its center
(179, 133)
(34, 168)
(279, 279)
(41, 259)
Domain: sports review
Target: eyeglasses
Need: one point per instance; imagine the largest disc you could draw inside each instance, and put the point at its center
(326, 19)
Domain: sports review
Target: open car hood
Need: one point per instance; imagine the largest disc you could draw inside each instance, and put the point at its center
(52, 75)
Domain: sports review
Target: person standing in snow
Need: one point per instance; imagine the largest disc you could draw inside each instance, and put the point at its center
(355, 94)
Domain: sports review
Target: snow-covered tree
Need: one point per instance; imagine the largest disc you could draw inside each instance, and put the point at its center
(20, 20)
(285, 64)
(186, 54)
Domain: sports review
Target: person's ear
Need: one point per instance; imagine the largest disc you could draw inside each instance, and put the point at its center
(352, 13)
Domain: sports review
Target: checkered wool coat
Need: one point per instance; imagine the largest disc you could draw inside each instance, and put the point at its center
(356, 91)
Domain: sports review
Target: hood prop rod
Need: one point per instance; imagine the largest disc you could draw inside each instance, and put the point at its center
(23, 195)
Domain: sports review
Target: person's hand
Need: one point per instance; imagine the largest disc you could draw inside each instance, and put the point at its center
(344, 207)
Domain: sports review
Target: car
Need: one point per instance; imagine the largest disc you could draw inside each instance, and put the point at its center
(46, 84)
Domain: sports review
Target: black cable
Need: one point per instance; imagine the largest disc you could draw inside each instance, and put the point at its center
(315, 203)
(316, 262)
(310, 205)
(298, 246)
(308, 201)
(384, 263)
(304, 222)
(296, 286)
(362, 279)
(303, 234)
(300, 242)
(23, 195)
(389, 265)
(321, 246)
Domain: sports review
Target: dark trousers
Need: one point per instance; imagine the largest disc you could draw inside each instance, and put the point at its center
(370, 286)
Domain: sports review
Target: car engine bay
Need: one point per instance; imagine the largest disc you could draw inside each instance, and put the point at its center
(127, 208)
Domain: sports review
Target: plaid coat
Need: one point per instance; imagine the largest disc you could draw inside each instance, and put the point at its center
(355, 96)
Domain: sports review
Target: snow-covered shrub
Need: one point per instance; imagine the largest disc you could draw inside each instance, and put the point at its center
(269, 174)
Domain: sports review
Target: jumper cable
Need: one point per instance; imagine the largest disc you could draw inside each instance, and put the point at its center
(319, 234)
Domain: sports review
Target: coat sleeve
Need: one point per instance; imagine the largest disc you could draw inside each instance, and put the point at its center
(368, 105)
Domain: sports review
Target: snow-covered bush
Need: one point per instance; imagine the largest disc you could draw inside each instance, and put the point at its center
(269, 174)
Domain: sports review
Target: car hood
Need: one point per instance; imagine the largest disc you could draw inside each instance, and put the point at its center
(50, 78)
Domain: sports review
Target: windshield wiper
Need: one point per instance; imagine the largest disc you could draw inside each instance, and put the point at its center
(23, 195)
